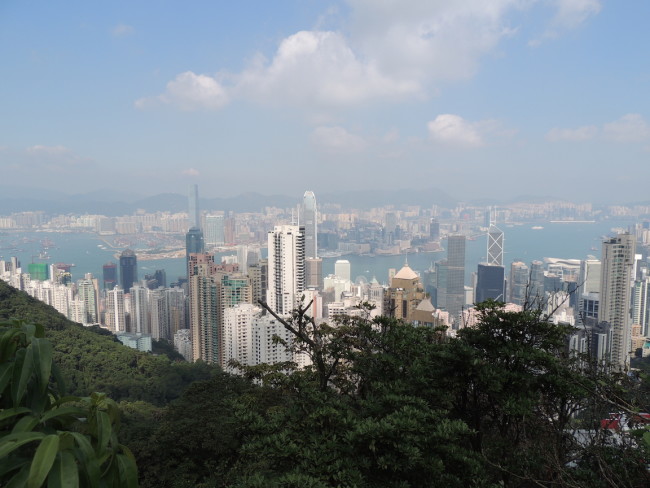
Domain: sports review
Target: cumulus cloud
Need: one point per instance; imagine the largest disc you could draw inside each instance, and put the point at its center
(191, 172)
(337, 139)
(122, 30)
(320, 67)
(584, 133)
(629, 128)
(189, 91)
(453, 129)
(391, 50)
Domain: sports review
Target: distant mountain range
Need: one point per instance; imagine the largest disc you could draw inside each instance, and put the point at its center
(107, 202)
(112, 203)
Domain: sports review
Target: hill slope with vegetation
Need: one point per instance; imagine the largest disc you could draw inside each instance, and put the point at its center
(91, 359)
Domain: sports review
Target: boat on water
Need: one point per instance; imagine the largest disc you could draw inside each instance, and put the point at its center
(537, 227)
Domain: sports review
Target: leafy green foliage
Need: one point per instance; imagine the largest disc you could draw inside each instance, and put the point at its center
(46, 436)
(91, 359)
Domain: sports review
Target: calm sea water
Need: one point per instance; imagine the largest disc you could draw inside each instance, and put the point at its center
(564, 240)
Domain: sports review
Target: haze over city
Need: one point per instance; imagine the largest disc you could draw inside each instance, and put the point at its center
(480, 99)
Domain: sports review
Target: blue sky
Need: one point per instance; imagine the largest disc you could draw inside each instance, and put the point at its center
(479, 98)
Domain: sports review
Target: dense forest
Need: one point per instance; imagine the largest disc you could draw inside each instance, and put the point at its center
(385, 404)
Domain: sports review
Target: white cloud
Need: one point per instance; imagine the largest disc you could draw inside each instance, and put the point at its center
(629, 128)
(584, 133)
(570, 14)
(433, 40)
(319, 68)
(337, 139)
(391, 50)
(453, 129)
(122, 30)
(54, 158)
(48, 150)
(191, 172)
(189, 91)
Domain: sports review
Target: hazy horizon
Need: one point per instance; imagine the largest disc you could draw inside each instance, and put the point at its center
(483, 100)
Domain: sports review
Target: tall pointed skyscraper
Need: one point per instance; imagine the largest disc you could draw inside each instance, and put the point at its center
(308, 219)
(495, 246)
(193, 206)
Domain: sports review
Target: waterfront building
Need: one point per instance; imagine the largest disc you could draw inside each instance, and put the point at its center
(286, 264)
(615, 294)
(342, 269)
(214, 230)
(434, 230)
(309, 220)
(128, 269)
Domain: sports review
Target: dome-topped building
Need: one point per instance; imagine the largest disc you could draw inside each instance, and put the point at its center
(405, 293)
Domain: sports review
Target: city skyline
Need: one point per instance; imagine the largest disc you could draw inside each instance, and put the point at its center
(478, 99)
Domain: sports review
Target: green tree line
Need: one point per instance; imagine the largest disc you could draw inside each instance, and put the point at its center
(383, 404)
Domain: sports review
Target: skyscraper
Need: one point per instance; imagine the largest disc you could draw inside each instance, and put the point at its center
(109, 272)
(115, 311)
(87, 289)
(139, 310)
(194, 243)
(455, 275)
(128, 269)
(214, 230)
(342, 269)
(616, 293)
(286, 268)
(308, 219)
(495, 246)
(536, 290)
(519, 287)
(204, 310)
(193, 206)
(490, 283)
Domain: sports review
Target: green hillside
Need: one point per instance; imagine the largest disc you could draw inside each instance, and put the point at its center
(91, 359)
